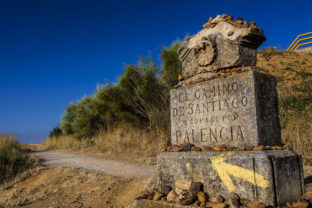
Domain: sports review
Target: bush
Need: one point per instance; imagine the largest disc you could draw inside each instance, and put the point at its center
(140, 98)
(13, 158)
(56, 132)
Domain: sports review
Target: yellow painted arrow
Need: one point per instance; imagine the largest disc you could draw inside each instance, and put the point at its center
(225, 170)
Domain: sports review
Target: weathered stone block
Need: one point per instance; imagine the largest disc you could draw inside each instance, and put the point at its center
(273, 177)
(238, 110)
(222, 43)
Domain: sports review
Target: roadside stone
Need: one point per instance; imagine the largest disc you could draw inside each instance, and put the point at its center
(187, 201)
(178, 190)
(300, 205)
(307, 196)
(255, 204)
(216, 205)
(258, 148)
(165, 189)
(183, 195)
(216, 198)
(195, 188)
(249, 148)
(218, 147)
(198, 149)
(172, 196)
(157, 196)
(183, 184)
(308, 187)
(234, 203)
(150, 197)
(175, 148)
(244, 201)
(271, 165)
(151, 184)
(261, 129)
(202, 197)
(187, 146)
(225, 45)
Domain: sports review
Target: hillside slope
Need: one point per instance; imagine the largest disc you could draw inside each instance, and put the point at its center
(293, 72)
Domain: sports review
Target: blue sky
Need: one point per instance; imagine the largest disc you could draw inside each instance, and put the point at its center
(56, 51)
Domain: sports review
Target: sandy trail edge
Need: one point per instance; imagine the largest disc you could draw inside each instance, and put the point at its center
(110, 167)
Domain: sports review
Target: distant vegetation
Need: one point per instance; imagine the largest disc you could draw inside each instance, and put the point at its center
(13, 159)
(134, 113)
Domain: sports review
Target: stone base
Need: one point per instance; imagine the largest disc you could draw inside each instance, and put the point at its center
(144, 203)
(273, 177)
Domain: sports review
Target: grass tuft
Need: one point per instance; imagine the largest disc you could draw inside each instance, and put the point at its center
(13, 158)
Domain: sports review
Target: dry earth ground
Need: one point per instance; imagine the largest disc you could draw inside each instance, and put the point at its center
(70, 187)
(73, 187)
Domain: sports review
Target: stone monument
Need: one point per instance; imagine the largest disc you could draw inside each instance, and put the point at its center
(225, 130)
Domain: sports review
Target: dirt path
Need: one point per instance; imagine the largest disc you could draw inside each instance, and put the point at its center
(110, 167)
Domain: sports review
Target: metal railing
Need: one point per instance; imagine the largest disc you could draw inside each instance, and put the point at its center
(295, 44)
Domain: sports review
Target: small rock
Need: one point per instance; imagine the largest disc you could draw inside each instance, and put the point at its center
(244, 201)
(183, 184)
(249, 148)
(180, 77)
(216, 198)
(183, 195)
(234, 203)
(255, 204)
(202, 197)
(307, 196)
(150, 197)
(178, 190)
(187, 146)
(172, 196)
(308, 187)
(258, 148)
(147, 195)
(300, 204)
(139, 198)
(197, 149)
(157, 196)
(210, 20)
(195, 188)
(230, 33)
(276, 148)
(218, 147)
(175, 148)
(242, 148)
(216, 205)
(187, 201)
(165, 190)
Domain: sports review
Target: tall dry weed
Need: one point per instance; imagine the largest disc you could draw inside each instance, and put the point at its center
(127, 139)
(13, 158)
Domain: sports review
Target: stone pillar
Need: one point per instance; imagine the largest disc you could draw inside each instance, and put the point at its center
(223, 99)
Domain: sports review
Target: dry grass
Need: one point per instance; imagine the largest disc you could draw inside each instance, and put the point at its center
(69, 187)
(294, 75)
(64, 142)
(13, 158)
(126, 143)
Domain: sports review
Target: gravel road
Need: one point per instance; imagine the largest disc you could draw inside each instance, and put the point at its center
(110, 167)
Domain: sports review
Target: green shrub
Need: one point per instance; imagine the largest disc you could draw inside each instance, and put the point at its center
(13, 158)
(56, 132)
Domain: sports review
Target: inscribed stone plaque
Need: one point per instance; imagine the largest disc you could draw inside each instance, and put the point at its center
(237, 110)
